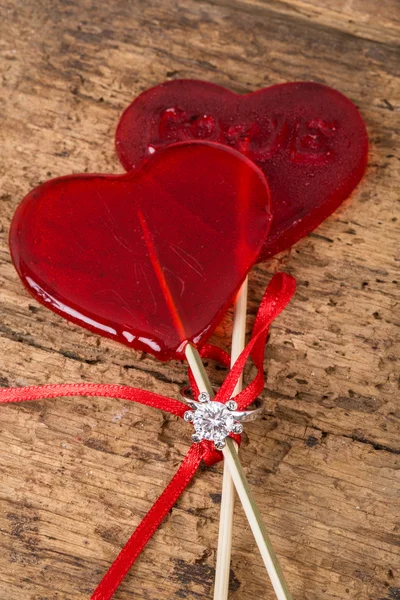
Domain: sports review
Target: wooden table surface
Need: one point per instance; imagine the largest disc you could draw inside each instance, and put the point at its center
(77, 475)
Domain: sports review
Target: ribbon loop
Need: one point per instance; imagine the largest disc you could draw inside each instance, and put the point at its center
(276, 297)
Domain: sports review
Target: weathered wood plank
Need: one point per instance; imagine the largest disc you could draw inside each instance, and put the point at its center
(77, 475)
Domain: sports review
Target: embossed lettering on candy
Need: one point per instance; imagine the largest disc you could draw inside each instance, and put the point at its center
(309, 140)
(152, 258)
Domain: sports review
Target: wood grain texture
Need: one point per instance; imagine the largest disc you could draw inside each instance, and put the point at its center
(77, 475)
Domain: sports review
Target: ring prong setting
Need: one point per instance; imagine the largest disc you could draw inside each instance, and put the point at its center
(237, 428)
(204, 397)
(214, 421)
(220, 445)
(231, 405)
(188, 416)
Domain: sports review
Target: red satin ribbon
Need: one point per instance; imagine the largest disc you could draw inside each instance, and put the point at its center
(276, 297)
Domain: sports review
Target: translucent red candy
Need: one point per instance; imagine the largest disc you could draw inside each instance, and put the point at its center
(151, 258)
(309, 140)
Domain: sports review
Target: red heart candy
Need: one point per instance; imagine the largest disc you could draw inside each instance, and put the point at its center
(309, 140)
(151, 258)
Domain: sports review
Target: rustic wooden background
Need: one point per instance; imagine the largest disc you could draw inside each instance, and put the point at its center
(77, 475)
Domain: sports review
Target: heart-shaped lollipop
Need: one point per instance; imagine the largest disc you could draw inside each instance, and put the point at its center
(308, 139)
(151, 258)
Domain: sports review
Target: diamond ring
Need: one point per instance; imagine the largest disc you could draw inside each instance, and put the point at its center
(214, 421)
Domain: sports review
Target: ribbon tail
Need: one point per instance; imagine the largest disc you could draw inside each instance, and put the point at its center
(149, 524)
(124, 392)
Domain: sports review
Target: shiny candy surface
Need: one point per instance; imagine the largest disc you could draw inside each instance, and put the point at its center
(309, 140)
(151, 258)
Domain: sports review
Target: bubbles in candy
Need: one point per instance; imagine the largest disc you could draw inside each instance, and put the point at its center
(151, 258)
(309, 140)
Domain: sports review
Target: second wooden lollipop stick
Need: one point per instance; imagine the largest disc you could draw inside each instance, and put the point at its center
(242, 487)
(224, 549)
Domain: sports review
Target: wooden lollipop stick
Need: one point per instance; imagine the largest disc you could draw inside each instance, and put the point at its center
(242, 487)
(223, 566)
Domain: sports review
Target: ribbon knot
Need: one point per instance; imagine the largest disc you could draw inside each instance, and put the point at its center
(276, 297)
(211, 455)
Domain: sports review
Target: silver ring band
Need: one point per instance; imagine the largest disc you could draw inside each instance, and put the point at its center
(240, 415)
(249, 415)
